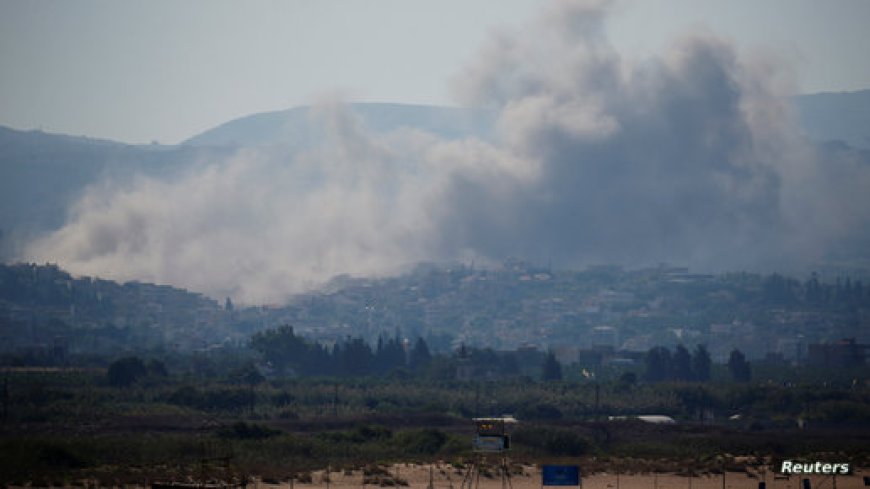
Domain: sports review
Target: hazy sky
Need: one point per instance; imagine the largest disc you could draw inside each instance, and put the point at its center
(167, 70)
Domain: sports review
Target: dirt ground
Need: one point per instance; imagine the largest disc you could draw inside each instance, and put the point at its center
(446, 477)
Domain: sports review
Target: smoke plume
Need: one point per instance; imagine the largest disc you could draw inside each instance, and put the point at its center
(690, 157)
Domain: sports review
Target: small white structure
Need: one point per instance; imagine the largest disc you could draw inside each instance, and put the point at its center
(646, 418)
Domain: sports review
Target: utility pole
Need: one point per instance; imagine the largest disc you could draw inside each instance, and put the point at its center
(477, 399)
(597, 401)
(5, 398)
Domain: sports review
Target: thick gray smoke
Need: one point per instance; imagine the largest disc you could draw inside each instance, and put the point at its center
(692, 157)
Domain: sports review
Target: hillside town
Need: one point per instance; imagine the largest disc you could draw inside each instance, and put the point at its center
(600, 316)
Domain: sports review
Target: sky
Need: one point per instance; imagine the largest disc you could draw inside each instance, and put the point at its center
(143, 71)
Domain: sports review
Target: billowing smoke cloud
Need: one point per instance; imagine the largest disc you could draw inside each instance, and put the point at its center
(258, 226)
(691, 157)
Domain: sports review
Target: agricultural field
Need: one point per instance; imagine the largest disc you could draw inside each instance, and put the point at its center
(62, 426)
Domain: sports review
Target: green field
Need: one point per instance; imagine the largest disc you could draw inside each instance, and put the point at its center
(60, 426)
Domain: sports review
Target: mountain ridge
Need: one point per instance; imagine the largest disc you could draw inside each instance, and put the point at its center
(836, 116)
(824, 116)
(294, 125)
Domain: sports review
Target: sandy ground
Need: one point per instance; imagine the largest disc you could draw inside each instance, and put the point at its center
(446, 477)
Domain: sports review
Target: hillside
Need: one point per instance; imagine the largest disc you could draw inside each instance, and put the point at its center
(840, 116)
(42, 174)
(43, 308)
(503, 308)
(295, 127)
(520, 304)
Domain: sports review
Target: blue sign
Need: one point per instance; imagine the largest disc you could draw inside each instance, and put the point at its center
(490, 443)
(560, 475)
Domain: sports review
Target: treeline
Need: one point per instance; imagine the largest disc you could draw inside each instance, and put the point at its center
(680, 365)
(779, 289)
(683, 366)
(289, 354)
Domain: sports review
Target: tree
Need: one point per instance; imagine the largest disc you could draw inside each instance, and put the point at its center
(247, 374)
(284, 350)
(389, 355)
(156, 368)
(813, 289)
(552, 369)
(354, 358)
(701, 364)
(627, 380)
(319, 361)
(695, 400)
(681, 364)
(738, 366)
(658, 364)
(420, 355)
(509, 366)
(125, 371)
(777, 289)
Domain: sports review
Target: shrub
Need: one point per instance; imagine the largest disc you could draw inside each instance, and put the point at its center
(368, 433)
(288, 414)
(126, 371)
(425, 441)
(233, 399)
(541, 411)
(554, 441)
(245, 431)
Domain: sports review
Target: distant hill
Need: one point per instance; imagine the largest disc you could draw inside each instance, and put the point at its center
(450, 305)
(841, 116)
(42, 305)
(42, 173)
(294, 127)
